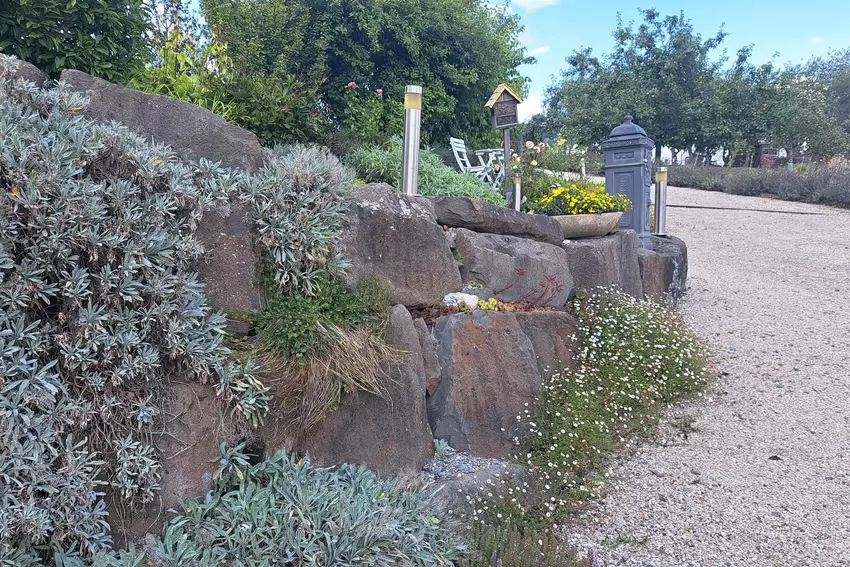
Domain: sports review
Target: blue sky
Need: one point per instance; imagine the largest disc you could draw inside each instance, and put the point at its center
(795, 30)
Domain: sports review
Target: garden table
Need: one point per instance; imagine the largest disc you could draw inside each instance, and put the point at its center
(495, 163)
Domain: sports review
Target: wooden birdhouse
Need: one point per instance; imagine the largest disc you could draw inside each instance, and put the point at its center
(503, 107)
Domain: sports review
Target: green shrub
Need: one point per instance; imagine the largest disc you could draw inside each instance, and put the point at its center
(376, 165)
(187, 69)
(632, 357)
(295, 325)
(285, 512)
(105, 38)
(819, 184)
(99, 310)
(299, 203)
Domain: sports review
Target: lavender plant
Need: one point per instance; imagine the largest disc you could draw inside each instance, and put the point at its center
(299, 205)
(99, 307)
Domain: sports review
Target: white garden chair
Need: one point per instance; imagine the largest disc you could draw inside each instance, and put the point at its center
(481, 171)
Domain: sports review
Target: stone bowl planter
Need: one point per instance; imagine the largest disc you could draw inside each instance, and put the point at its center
(593, 224)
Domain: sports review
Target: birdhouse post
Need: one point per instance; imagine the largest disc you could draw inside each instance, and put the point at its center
(505, 114)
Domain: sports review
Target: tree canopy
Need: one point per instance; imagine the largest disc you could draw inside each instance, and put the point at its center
(457, 50)
(687, 94)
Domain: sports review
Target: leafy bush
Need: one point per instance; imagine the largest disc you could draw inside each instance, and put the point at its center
(191, 71)
(822, 185)
(632, 357)
(296, 326)
(575, 200)
(377, 164)
(105, 38)
(299, 204)
(284, 512)
(99, 308)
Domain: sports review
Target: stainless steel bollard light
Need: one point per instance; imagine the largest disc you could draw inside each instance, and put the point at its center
(583, 170)
(660, 202)
(410, 147)
(517, 193)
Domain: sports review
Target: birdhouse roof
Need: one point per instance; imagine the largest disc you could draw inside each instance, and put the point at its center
(498, 92)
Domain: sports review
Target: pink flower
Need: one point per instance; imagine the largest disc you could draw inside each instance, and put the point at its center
(352, 84)
(380, 92)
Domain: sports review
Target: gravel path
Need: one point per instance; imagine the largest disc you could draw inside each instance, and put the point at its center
(764, 477)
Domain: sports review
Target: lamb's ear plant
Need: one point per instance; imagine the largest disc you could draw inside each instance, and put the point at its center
(99, 310)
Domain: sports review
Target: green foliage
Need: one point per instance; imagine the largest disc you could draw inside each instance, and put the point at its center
(283, 511)
(660, 71)
(664, 74)
(497, 546)
(819, 184)
(99, 309)
(191, 71)
(458, 50)
(105, 38)
(299, 203)
(296, 326)
(633, 357)
(435, 178)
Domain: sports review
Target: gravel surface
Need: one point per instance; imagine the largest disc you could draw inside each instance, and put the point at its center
(452, 464)
(763, 476)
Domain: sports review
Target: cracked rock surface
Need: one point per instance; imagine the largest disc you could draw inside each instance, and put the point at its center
(757, 472)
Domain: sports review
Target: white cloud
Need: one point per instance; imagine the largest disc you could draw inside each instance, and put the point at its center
(532, 105)
(531, 5)
(816, 40)
(539, 50)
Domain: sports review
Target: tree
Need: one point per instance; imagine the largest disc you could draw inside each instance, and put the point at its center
(457, 50)
(660, 71)
(105, 38)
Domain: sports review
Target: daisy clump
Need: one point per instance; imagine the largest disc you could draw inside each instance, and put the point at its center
(633, 357)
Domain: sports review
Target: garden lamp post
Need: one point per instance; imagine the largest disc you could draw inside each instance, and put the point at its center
(410, 146)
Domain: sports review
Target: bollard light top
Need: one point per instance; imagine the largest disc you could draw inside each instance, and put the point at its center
(412, 89)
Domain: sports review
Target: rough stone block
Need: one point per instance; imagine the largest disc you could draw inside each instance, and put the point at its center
(491, 366)
(480, 216)
(191, 131)
(391, 437)
(515, 269)
(606, 261)
(229, 269)
(430, 363)
(396, 238)
(28, 72)
(664, 268)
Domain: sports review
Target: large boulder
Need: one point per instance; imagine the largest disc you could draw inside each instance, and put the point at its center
(197, 423)
(390, 436)
(480, 216)
(430, 362)
(191, 131)
(397, 238)
(607, 261)
(664, 268)
(28, 72)
(515, 269)
(229, 269)
(552, 336)
(491, 366)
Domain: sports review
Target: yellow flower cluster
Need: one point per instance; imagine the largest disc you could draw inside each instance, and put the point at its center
(575, 200)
